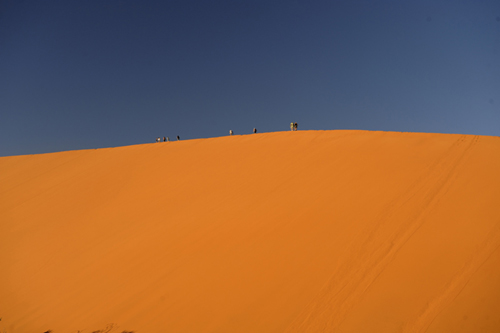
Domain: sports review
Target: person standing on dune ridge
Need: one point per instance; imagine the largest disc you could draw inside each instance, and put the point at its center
(292, 126)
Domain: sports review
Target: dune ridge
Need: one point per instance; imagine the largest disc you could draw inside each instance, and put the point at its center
(307, 231)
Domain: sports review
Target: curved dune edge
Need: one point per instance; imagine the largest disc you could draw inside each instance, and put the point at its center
(308, 231)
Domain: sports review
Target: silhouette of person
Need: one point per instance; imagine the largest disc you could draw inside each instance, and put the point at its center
(292, 126)
(164, 139)
(295, 126)
(255, 130)
(178, 138)
(230, 132)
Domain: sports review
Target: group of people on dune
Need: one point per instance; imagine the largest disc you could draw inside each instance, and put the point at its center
(165, 139)
(231, 131)
(293, 127)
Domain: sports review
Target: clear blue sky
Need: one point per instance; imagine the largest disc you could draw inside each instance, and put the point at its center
(91, 74)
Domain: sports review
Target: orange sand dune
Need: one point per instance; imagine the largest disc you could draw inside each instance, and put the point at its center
(309, 231)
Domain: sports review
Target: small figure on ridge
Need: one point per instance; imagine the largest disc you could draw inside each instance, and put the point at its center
(230, 132)
(255, 130)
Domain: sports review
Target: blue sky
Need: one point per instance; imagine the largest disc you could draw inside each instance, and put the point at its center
(91, 74)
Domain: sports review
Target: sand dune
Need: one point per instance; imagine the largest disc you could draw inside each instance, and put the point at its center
(308, 231)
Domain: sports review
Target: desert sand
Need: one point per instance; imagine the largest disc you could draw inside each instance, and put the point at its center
(307, 231)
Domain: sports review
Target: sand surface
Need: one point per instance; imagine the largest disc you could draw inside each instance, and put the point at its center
(308, 231)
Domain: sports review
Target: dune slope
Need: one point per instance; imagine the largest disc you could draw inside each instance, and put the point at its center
(308, 231)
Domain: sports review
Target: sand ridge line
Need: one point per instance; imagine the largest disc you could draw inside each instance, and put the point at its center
(341, 293)
(455, 286)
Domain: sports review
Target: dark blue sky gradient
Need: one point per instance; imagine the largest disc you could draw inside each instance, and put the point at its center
(91, 74)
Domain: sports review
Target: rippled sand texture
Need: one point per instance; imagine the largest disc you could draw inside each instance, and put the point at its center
(308, 231)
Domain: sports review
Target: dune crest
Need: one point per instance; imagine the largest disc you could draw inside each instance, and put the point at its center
(307, 231)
